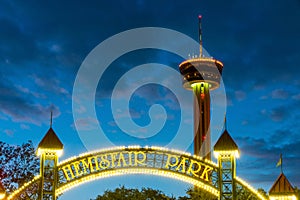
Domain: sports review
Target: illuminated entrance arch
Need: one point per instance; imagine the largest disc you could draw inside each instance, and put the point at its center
(56, 178)
(138, 160)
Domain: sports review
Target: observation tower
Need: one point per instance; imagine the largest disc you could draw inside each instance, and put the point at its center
(201, 74)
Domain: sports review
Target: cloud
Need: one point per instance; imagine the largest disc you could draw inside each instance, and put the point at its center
(9, 132)
(22, 108)
(112, 123)
(85, 124)
(81, 109)
(252, 58)
(240, 95)
(245, 122)
(50, 84)
(264, 153)
(279, 94)
(24, 127)
(282, 137)
(16, 46)
(264, 97)
(277, 114)
(30, 92)
(296, 97)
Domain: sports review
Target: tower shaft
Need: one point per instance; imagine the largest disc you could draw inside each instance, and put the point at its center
(202, 141)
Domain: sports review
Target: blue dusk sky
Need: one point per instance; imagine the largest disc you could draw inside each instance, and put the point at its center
(45, 44)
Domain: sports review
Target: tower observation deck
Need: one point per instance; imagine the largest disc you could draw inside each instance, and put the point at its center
(201, 74)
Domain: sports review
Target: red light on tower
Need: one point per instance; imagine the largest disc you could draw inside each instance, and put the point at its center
(202, 95)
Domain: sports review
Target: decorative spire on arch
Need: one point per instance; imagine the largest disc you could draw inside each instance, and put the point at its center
(51, 116)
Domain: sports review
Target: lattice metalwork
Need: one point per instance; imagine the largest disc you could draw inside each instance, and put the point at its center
(245, 191)
(48, 176)
(226, 176)
(137, 160)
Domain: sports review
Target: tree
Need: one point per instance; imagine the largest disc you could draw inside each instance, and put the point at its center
(123, 193)
(18, 164)
(197, 194)
(263, 192)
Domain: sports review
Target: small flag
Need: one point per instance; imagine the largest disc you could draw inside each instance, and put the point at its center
(279, 163)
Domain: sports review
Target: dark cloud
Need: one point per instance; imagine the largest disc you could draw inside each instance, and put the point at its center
(246, 44)
(261, 44)
(15, 45)
(263, 154)
(279, 114)
(280, 94)
(50, 84)
(22, 108)
(282, 137)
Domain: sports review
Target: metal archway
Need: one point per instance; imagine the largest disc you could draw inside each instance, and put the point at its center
(134, 160)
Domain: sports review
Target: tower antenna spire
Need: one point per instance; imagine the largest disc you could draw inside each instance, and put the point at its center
(200, 36)
(51, 116)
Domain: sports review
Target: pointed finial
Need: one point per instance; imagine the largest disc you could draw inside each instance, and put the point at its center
(51, 115)
(200, 36)
(280, 162)
(225, 123)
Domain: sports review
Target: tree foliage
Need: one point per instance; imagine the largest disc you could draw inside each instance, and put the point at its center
(197, 194)
(18, 164)
(123, 193)
(263, 192)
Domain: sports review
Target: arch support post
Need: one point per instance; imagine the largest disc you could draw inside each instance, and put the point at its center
(226, 151)
(49, 176)
(227, 173)
(49, 150)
